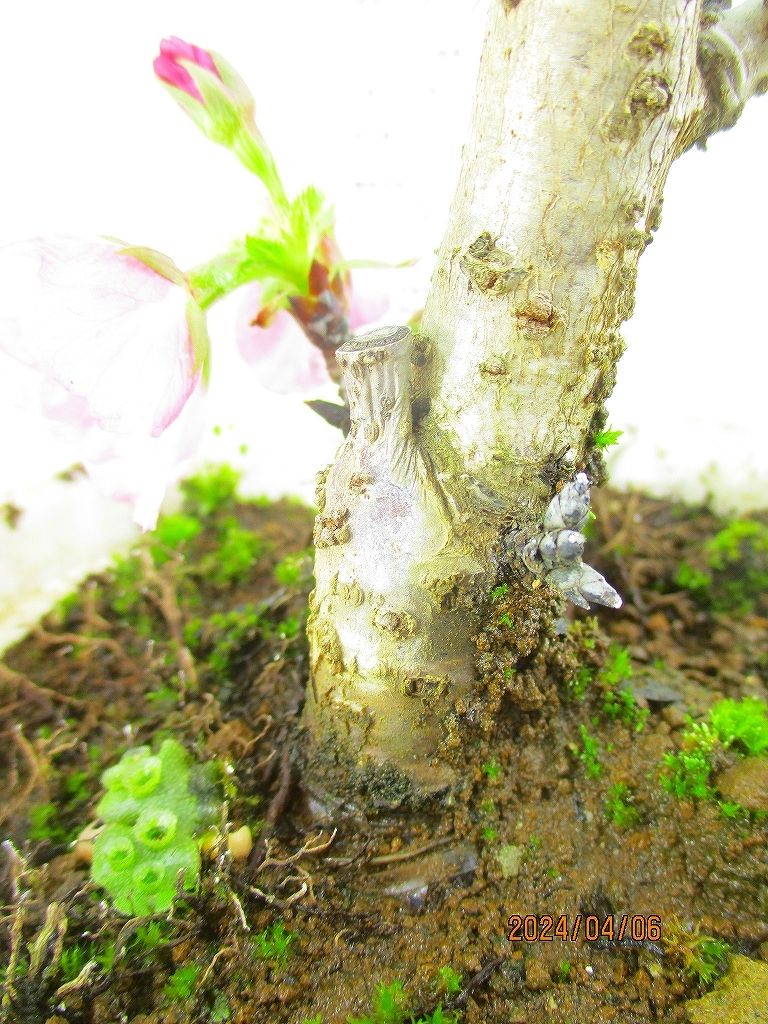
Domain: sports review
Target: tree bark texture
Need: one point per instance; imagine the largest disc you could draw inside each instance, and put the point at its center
(461, 435)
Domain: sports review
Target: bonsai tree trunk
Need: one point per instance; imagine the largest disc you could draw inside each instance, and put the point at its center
(472, 443)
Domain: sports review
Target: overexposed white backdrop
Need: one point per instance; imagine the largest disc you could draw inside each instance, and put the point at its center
(370, 101)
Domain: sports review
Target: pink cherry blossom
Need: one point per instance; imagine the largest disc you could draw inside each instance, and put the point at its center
(170, 71)
(283, 359)
(99, 344)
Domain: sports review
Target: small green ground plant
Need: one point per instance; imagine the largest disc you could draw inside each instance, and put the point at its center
(181, 984)
(273, 944)
(148, 845)
(589, 754)
(619, 807)
(389, 1007)
(700, 957)
(619, 702)
(743, 724)
(731, 572)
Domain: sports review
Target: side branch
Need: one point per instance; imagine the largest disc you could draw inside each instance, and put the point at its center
(733, 61)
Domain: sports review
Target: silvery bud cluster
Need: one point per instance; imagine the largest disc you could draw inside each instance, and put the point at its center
(556, 553)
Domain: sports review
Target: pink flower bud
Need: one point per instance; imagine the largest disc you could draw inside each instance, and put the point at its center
(169, 70)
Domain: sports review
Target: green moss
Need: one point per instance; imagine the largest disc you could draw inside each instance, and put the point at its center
(448, 981)
(212, 490)
(618, 806)
(181, 984)
(742, 722)
(492, 769)
(237, 553)
(588, 754)
(295, 570)
(686, 774)
(273, 944)
(731, 571)
(605, 438)
(175, 530)
(701, 957)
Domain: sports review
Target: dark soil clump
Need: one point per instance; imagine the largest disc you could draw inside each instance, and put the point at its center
(582, 829)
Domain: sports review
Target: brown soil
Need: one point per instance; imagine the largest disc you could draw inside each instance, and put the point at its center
(400, 895)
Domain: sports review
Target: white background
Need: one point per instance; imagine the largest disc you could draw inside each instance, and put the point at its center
(370, 101)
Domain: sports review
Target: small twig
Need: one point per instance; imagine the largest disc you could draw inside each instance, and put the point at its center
(212, 964)
(46, 639)
(168, 604)
(240, 912)
(391, 858)
(79, 982)
(312, 846)
(282, 797)
(7, 675)
(474, 982)
(273, 901)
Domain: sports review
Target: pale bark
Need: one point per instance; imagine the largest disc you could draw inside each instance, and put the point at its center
(581, 108)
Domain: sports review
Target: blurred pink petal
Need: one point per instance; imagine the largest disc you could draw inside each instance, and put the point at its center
(366, 308)
(169, 70)
(281, 356)
(98, 345)
(137, 468)
(104, 326)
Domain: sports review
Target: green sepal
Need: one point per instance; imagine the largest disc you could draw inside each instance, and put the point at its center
(201, 343)
(225, 118)
(235, 84)
(194, 108)
(157, 261)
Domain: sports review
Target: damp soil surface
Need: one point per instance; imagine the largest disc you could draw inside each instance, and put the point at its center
(563, 881)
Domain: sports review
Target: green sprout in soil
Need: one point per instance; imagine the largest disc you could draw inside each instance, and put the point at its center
(149, 937)
(73, 960)
(487, 806)
(731, 810)
(588, 755)
(220, 1010)
(492, 769)
(686, 774)
(605, 438)
(620, 703)
(618, 806)
(579, 684)
(388, 1009)
(387, 1006)
(489, 834)
(273, 944)
(181, 984)
(563, 973)
(499, 592)
(448, 981)
(701, 957)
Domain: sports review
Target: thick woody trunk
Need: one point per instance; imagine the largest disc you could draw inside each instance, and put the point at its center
(461, 435)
